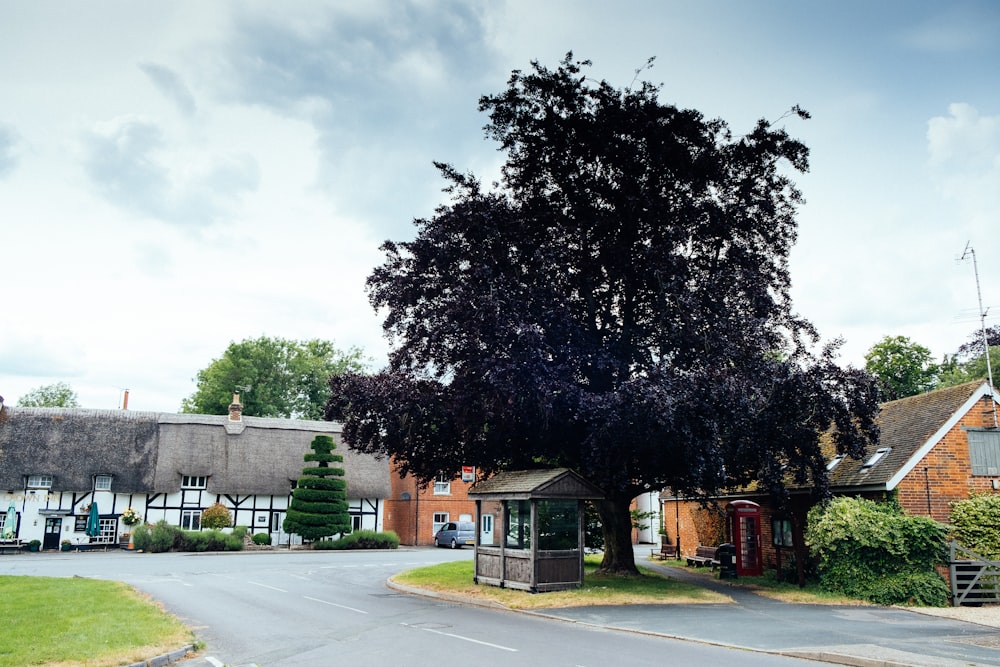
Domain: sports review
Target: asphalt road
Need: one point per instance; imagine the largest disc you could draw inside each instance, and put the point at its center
(331, 608)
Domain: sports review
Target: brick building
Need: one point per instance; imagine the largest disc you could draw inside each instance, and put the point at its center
(934, 449)
(416, 512)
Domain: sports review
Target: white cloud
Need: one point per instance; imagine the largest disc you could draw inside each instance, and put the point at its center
(171, 85)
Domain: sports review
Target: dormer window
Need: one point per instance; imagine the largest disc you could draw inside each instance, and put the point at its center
(194, 482)
(39, 481)
(102, 483)
(876, 457)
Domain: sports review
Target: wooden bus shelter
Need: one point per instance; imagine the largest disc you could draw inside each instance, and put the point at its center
(539, 542)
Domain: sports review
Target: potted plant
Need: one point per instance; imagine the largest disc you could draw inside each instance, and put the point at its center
(65, 545)
(34, 545)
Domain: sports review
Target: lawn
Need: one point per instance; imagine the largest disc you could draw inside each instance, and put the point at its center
(96, 623)
(598, 589)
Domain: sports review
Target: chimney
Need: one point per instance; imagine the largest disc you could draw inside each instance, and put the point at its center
(236, 409)
(125, 400)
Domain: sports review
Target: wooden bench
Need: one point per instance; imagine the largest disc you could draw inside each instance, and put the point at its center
(703, 556)
(666, 552)
(10, 546)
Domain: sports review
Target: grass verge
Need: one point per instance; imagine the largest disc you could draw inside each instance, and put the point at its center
(47, 620)
(598, 589)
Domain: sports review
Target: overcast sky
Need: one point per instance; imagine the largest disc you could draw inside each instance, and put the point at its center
(177, 176)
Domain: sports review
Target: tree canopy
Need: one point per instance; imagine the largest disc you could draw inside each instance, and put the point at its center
(618, 304)
(275, 377)
(968, 363)
(55, 395)
(901, 367)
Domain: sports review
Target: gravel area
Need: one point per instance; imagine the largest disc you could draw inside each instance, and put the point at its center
(986, 615)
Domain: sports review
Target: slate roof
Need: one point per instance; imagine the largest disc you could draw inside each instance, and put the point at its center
(910, 427)
(525, 484)
(148, 452)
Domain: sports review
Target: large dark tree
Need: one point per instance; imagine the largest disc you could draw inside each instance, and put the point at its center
(618, 304)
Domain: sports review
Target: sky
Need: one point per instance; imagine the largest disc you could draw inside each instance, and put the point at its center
(175, 177)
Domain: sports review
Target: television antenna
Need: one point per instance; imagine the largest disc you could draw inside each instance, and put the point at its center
(969, 250)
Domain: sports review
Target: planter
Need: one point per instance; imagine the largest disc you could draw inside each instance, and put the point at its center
(65, 547)
(33, 547)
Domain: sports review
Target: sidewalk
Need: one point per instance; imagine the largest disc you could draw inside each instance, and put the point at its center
(866, 636)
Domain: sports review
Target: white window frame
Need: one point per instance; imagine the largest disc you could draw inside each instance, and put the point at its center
(835, 461)
(194, 482)
(189, 518)
(442, 485)
(440, 518)
(39, 482)
(102, 482)
(876, 457)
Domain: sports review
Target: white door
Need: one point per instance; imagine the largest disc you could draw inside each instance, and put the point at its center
(486, 530)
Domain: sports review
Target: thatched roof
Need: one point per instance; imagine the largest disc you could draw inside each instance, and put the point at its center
(525, 484)
(149, 452)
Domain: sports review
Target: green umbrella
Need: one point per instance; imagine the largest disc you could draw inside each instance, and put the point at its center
(10, 523)
(94, 521)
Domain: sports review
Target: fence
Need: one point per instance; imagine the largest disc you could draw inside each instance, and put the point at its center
(974, 579)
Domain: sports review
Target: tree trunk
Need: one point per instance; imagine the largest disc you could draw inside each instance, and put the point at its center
(616, 524)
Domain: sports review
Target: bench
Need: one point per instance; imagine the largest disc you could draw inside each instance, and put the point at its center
(703, 556)
(10, 546)
(666, 552)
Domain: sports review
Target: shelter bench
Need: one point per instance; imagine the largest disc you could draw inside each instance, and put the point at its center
(10, 546)
(666, 552)
(703, 556)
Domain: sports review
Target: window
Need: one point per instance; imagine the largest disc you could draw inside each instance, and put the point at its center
(189, 482)
(6, 530)
(876, 457)
(518, 530)
(102, 483)
(440, 518)
(835, 462)
(781, 533)
(558, 525)
(109, 530)
(984, 452)
(355, 523)
(442, 486)
(191, 519)
(39, 481)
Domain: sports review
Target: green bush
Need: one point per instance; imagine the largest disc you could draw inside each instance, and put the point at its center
(216, 516)
(875, 552)
(975, 524)
(141, 537)
(261, 539)
(241, 531)
(163, 536)
(361, 539)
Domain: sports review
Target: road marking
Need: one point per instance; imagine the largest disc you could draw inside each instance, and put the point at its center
(280, 590)
(334, 604)
(468, 639)
(215, 663)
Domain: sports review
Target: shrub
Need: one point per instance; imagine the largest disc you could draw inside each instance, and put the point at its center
(163, 537)
(319, 500)
(875, 552)
(241, 531)
(261, 539)
(141, 538)
(361, 539)
(215, 517)
(975, 524)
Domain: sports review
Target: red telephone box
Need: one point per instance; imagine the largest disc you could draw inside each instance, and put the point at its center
(743, 519)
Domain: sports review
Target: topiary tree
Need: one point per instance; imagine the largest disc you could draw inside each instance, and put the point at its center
(975, 524)
(319, 500)
(215, 517)
(875, 552)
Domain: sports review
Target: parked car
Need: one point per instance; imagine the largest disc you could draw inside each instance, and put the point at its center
(455, 533)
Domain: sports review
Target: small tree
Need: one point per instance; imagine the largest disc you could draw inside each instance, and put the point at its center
(57, 395)
(215, 517)
(319, 500)
(901, 367)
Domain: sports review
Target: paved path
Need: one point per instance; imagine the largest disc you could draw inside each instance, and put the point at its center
(850, 635)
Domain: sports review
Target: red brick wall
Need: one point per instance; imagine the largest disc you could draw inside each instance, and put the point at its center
(944, 475)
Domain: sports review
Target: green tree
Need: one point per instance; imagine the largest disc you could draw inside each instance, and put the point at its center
(275, 377)
(56, 395)
(216, 516)
(618, 305)
(968, 363)
(319, 500)
(901, 367)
